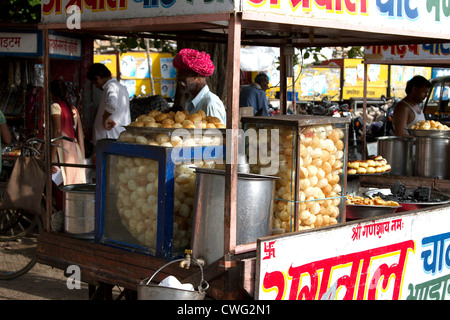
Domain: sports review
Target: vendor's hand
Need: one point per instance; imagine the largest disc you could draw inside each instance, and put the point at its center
(108, 124)
(55, 169)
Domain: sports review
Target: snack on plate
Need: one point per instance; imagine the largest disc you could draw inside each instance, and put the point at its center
(179, 119)
(429, 125)
(377, 201)
(373, 165)
(172, 120)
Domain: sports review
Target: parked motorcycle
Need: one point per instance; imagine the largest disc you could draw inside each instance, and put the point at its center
(326, 107)
(382, 126)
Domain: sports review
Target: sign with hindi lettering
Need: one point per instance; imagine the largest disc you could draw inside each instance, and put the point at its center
(412, 52)
(18, 43)
(64, 11)
(427, 18)
(402, 257)
(64, 46)
(414, 17)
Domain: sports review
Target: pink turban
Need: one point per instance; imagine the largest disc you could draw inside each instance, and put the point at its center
(190, 59)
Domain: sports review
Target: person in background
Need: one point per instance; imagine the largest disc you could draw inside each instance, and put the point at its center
(5, 135)
(66, 121)
(114, 109)
(409, 110)
(254, 95)
(192, 69)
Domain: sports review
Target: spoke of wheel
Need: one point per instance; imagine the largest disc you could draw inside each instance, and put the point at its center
(18, 252)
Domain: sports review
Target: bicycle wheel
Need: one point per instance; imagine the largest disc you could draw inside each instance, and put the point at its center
(9, 218)
(18, 245)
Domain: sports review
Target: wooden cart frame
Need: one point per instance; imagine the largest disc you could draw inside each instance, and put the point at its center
(231, 277)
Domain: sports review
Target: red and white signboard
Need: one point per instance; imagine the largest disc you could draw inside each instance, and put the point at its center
(403, 257)
(12, 42)
(65, 46)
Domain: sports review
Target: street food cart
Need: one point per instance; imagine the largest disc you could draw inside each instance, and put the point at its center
(269, 266)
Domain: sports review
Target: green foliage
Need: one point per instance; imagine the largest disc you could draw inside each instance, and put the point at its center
(20, 11)
(132, 43)
(355, 52)
(312, 52)
(315, 53)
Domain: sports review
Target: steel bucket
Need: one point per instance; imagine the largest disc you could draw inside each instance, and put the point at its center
(398, 152)
(254, 211)
(433, 157)
(79, 210)
(149, 291)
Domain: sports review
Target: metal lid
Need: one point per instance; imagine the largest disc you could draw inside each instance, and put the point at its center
(395, 138)
(241, 175)
(81, 188)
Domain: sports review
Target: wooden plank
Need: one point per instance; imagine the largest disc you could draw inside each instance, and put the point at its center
(99, 263)
(247, 275)
(231, 177)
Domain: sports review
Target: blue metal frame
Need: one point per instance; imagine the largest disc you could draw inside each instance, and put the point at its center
(166, 171)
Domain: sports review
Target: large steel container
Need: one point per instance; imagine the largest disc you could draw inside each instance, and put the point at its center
(398, 152)
(432, 157)
(79, 210)
(254, 211)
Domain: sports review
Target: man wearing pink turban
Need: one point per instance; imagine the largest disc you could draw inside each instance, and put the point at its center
(192, 69)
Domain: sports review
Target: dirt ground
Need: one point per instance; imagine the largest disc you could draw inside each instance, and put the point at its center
(41, 283)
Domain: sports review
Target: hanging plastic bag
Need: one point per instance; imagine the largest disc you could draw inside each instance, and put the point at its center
(26, 185)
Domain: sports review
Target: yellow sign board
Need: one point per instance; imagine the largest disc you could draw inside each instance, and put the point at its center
(134, 72)
(353, 84)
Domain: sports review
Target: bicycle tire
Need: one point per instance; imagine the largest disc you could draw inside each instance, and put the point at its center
(18, 247)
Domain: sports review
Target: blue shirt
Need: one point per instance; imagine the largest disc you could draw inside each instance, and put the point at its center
(254, 96)
(209, 103)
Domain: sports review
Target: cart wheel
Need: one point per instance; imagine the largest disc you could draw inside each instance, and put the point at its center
(18, 244)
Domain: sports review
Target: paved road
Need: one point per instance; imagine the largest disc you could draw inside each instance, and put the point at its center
(41, 283)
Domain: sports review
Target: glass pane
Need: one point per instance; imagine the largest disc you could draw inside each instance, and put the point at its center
(320, 191)
(131, 204)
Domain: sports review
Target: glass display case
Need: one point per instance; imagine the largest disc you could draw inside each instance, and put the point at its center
(145, 195)
(308, 154)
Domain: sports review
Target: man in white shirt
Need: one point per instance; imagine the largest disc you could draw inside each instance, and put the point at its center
(192, 69)
(114, 109)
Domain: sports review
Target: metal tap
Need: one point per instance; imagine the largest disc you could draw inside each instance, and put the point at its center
(186, 263)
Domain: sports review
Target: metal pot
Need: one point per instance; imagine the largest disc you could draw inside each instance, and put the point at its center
(398, 152)
(79, 210)
(433, 157)
(254, 211)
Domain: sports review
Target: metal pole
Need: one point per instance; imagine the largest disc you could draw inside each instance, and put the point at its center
(47, 137)
(283, 81)
(149, 61)
(364, 143)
